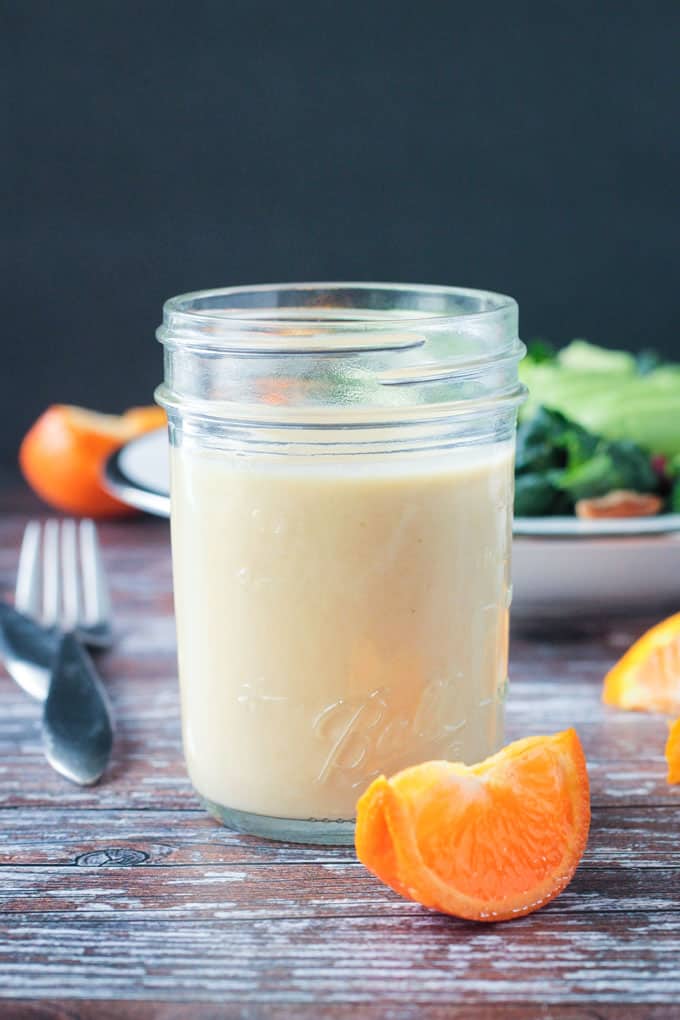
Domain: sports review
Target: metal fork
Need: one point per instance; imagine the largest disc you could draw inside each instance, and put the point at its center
(65, 587)
(61, 584)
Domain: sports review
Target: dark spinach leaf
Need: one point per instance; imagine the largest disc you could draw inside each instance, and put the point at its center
(535, 495)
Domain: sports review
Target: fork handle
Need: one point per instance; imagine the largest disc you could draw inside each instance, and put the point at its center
(76, 723)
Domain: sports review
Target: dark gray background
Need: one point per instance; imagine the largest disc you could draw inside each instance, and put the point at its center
(155, 147)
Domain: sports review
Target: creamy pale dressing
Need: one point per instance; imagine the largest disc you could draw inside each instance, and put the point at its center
(337, 618)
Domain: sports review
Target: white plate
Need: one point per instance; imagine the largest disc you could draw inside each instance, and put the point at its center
(139, 473)
(560, 565)
(572, 527)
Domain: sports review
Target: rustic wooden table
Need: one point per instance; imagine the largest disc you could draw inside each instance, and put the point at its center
(127, 900)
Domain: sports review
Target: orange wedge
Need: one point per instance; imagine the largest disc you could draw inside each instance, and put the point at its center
(486, 842)
(63, 455)
(673, 752)
(647, 678)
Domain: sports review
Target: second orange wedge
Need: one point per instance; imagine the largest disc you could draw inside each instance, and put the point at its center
(647, 678)
(673, 752)
(486, 842)
(63, 455)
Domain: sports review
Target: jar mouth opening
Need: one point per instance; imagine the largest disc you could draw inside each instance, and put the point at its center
(332, 317)
(349, 353)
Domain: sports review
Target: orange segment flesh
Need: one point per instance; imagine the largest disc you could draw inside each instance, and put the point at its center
(673, 752)
(486, 842)
(647, 678)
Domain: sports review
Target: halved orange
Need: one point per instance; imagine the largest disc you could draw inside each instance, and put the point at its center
(673, 752)
(486, 842)
(647, 678)
(62, 456)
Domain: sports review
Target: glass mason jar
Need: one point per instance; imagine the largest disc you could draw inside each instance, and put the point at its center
(341, 487)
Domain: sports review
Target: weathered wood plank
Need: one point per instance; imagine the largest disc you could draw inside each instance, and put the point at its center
(425, 958)
(621, 837)
(279, 891)
(153, 776)
(127, 785)
(139, 1010)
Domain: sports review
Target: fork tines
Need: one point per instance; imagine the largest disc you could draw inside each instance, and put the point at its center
(61, 580)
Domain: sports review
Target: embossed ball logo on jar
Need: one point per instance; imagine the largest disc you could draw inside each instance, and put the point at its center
(364, 735)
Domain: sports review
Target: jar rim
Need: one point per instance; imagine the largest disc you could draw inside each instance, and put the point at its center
(207, 317)
(310, 354)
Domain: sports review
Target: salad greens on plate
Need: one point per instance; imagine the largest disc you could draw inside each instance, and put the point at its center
(596, 422)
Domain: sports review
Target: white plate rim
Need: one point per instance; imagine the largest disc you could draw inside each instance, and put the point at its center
(126, 482)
